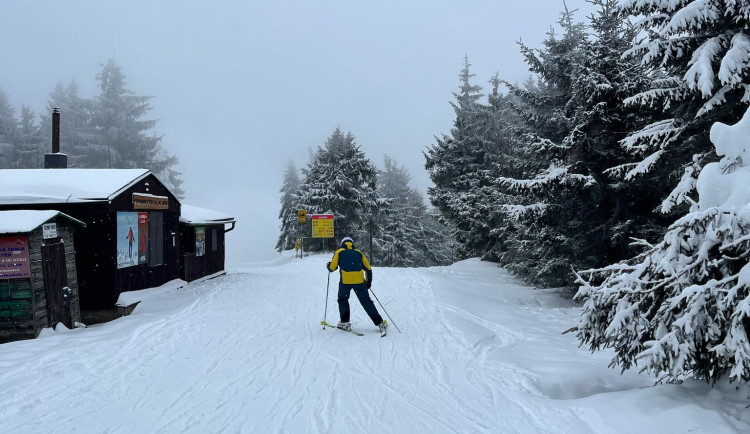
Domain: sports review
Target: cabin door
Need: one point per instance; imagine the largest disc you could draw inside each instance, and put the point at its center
(56, 284)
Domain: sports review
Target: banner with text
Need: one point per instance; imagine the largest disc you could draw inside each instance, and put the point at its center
(14, 258)
(322, 225)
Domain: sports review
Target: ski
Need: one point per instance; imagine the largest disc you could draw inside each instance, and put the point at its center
(323, 323)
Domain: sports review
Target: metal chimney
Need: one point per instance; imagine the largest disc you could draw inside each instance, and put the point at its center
(55, 160)
(55, 131)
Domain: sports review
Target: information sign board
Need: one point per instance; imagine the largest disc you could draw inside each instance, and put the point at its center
(322, 225)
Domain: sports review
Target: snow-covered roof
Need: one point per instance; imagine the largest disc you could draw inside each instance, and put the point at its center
(20, 221)
(26, 186)
(192, 215)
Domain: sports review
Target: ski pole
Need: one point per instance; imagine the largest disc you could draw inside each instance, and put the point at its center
(325, 314)
(386, 312)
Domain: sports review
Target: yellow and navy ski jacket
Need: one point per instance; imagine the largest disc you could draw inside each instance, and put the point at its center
(352, 263)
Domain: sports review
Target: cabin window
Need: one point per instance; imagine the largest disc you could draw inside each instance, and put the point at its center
(156, 239)
(214, 240)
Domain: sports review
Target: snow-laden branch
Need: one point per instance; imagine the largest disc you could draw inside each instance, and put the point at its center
(735, 61)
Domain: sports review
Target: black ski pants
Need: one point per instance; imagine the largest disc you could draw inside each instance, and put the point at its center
(364, 299)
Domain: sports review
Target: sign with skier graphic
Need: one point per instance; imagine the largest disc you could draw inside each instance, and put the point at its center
(132, 238)
(322, 225)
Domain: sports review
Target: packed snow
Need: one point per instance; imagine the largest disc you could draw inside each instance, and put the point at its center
(244, 352)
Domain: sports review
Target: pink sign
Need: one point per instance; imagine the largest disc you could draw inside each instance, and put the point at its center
(14, 258)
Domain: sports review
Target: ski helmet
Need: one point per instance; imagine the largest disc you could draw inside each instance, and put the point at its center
(345, 239)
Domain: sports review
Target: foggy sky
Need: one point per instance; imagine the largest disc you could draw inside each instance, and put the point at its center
(242, 87)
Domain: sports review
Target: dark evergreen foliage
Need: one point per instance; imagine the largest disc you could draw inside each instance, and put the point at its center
(290, 227)
(340, 180)
(108, 131)
(407, 235)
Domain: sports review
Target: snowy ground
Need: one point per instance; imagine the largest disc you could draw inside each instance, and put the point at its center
(244, 353)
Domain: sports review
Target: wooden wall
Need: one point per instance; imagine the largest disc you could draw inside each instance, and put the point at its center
(194, 267)
(27, 308)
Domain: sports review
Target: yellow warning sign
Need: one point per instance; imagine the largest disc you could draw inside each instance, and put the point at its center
(301, 216)
(322, 225)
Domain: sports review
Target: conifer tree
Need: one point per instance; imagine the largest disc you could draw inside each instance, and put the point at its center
(118, 119)
(341, 179)
(570, 212)
(30, 144)
(554, 188)
(459, 165)
(78, 138)
(288, 213)
(8, 127)
(697, 52)
(680, 309)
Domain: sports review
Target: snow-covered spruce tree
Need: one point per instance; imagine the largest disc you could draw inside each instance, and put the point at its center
(78, 138)
(117, 117)
(459, 165)
(407, 235)
(682, 309)
(396, 220)
(545, 200)
(8, 129)
(569, 212)
(698, 53)
(341, 179)
(30, 144)
(290, 227)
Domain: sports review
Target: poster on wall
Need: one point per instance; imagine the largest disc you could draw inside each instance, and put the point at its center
(14, 258)
(129, 238)
(200, 241)
(142, 237)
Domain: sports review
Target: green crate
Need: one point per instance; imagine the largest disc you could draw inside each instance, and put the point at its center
(20, 314)
(4, 314)
(20, 284)
(21, 294)
(18, 305)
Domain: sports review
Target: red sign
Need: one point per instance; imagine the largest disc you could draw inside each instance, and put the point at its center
(142, 237)
(14, 258)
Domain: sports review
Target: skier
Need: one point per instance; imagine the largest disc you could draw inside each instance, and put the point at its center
(353, 267)
(130, 239)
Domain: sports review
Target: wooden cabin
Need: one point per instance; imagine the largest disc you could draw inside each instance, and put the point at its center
(38, 279)
(202, 247)
(131, 240)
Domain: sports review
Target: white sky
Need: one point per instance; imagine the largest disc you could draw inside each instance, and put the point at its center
(241, 87)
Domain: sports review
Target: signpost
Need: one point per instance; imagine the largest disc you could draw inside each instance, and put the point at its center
(322, 225)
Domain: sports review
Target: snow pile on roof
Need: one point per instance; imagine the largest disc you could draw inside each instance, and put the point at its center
(19, 221)
(64, 185)
(194, 215)
(726, 184)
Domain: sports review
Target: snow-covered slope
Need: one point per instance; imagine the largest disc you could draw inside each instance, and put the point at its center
(244, 353)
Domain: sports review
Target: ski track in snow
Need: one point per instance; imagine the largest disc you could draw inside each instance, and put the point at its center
(245, 353)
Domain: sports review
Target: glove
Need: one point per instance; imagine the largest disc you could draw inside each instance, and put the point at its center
(328, 267)
(369, 284)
